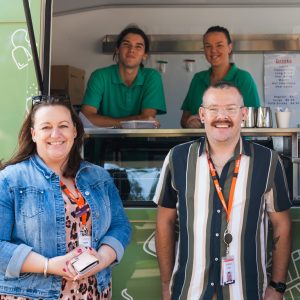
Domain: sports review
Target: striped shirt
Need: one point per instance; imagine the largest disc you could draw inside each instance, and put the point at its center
(185, 184)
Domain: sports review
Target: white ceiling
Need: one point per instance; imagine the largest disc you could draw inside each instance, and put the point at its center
(71, 6)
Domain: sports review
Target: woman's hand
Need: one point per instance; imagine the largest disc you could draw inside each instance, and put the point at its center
(61, 266)
(106, 256)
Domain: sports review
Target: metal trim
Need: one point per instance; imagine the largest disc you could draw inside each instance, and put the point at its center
(32, 39)
(180, 43)
(47, 47)
(77, 7)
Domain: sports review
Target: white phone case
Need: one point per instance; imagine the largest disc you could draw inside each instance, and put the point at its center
(84, 262)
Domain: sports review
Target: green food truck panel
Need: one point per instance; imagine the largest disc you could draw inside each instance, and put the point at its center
(17, 77)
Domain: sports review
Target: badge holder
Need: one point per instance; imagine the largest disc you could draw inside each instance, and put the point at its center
(227, 263)
(84, 238)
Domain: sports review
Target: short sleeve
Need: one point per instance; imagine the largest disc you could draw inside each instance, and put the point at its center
(153, 92)
(94, 91)
(165, 194)
(187, 104)
(277, 198)
(249, 91)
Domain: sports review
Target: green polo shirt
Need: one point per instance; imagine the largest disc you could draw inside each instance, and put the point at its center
(201, 81)
(107, 92)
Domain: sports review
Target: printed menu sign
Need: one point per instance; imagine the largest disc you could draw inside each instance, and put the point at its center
(282, 79)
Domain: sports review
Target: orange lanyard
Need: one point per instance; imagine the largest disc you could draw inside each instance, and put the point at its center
(79, 200)
(214, 176)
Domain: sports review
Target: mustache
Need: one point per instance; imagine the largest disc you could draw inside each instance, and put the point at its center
(225, 122)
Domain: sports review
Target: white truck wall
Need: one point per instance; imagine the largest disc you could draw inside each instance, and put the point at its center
(77, 40)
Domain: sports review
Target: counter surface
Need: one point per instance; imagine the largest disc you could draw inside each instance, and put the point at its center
(293, 135)
(185, 132)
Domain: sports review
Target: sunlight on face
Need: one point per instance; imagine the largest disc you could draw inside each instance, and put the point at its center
(223, 111)
(54, 133)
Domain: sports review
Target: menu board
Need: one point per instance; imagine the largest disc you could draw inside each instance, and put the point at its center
(282, 79)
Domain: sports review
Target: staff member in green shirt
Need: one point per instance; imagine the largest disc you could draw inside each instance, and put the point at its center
(217, 49)
(126, 90)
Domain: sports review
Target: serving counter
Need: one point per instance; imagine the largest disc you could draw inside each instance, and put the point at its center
(134, 158)
(157, 142)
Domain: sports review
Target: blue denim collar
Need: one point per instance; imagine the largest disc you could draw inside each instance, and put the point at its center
(46, 171)
(41, 166)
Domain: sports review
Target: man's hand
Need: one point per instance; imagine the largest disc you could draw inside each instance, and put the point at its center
(272, 294)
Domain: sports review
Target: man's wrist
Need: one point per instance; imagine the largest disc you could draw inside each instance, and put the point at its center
(280, 287)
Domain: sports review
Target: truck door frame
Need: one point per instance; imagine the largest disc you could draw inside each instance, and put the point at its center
(44, 62)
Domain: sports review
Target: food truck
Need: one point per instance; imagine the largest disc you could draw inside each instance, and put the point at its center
(73, 38)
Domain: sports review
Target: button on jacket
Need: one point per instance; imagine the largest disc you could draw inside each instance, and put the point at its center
(32, 215)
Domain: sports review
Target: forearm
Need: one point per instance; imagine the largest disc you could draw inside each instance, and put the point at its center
(281, 252)
(165, 250)
(34, 263)
(105, 121)
(282, 244)
(183, 121)
(107, 256)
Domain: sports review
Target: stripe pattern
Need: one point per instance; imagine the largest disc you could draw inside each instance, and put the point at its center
(185, 184)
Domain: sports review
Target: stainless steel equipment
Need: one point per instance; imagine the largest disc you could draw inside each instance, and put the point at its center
(264, 117)
(250, 120)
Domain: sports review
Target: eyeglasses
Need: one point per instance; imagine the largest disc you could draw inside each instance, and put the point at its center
(50, 99)
(230, 110)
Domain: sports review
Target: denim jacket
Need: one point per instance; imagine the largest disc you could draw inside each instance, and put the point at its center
(32, 218)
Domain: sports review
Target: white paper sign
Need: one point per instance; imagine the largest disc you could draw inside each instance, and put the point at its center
(282, 79)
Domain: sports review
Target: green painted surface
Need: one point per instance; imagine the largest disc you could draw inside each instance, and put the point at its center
(17, 76)
(293, 280)
(137, 276)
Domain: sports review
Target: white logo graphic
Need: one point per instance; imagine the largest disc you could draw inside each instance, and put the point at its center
(32, 90)
(149, 245)
(21, 48)
(293, 280)
(125, 295)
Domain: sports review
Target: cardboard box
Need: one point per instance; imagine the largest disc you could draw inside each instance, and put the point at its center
(67, 80)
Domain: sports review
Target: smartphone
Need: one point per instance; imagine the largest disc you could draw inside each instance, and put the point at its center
(84, 262)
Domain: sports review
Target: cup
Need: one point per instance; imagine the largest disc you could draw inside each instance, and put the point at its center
(250, 120)
(264, 117)
(283, 119)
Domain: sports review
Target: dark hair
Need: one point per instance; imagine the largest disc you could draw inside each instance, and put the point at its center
(134, 30)
(27, 148)
(219, 29)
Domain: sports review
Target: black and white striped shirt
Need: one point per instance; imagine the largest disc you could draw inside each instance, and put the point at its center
(185, 184)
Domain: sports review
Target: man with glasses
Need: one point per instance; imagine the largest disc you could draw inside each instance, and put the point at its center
(127, 90)
(215, 196)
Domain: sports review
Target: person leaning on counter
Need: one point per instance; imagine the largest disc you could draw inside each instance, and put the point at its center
(217, 46)
(126, 90)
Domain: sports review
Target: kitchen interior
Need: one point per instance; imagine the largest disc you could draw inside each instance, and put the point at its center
(82, 40)
(83, 36)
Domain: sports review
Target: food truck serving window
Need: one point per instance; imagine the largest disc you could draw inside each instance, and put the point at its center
(133, 163)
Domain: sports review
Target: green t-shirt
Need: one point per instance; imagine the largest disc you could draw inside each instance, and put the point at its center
(107, 92)
(201, 81)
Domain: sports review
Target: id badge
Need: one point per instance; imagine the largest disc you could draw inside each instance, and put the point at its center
(84, 239)
(227, 270)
